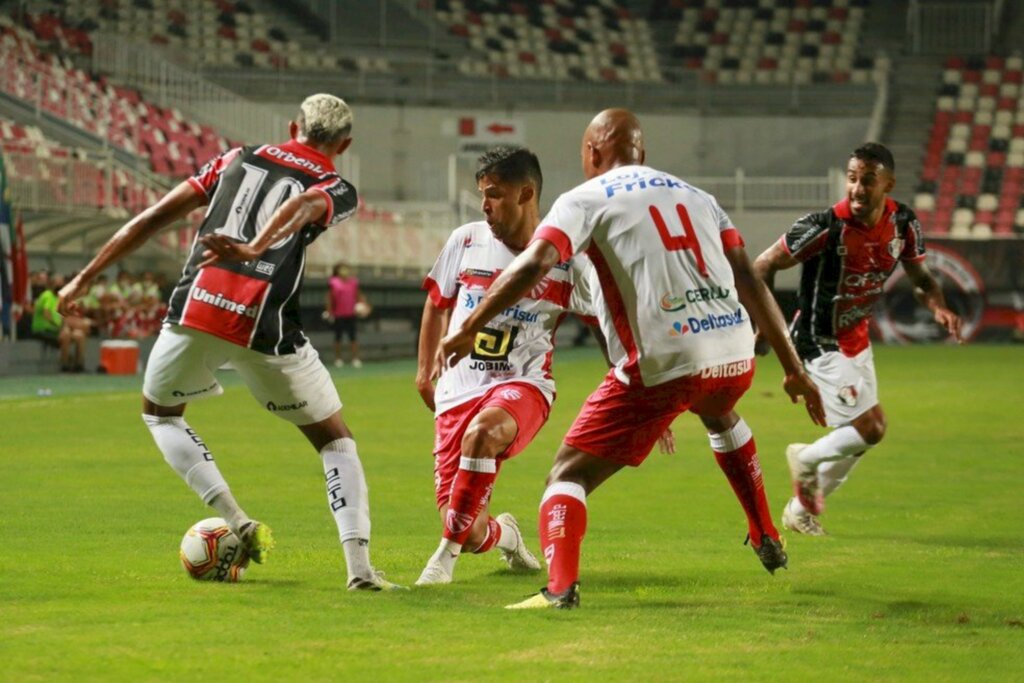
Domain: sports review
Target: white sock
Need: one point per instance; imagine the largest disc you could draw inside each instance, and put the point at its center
(347, 494)
(508, 540)
(446, 555)
(837, 444)
(349, 501)
(187, 455)
(357, 558)
(833, 473)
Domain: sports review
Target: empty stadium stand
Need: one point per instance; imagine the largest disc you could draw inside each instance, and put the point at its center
(572, 39)
(972, 182)
(35, 71)
(769, 42)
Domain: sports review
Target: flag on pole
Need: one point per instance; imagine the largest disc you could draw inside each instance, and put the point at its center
(20, 290)
(6, 255)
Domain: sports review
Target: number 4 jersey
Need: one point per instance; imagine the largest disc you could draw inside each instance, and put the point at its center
(517, 345)
(657, 245)
(256, 304)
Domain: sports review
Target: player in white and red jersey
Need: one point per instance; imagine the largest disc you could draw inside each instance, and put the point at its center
(490, 405)
(672, 273)
(237, 302)
(847, 252)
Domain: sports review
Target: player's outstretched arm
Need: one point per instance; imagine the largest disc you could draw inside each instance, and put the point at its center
(290, 217)
(429, 363)
(759, 302)
(174, 206)
(928, 293)
(525, 272)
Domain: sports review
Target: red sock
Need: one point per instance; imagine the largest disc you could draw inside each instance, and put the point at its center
(743, 469)
(562, 524)
(492, 537)
(470, 492)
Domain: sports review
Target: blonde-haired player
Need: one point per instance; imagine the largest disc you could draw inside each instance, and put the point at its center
(237, 302)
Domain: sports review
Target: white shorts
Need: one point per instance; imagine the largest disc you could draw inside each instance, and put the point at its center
(848, 386)
(295, 386)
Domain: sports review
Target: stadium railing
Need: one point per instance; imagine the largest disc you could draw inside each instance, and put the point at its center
(415, 80)
(940, 28)
(170, 85)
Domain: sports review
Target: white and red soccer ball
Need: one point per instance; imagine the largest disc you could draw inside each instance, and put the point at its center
(210, 551)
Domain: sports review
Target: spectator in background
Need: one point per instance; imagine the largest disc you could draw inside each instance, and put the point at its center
(46, 321)
(342, 296)
(52, 328)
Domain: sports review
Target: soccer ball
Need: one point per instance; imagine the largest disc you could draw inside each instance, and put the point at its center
(363, 309)
(211, 552)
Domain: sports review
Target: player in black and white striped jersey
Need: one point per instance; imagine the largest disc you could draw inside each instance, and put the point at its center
(237, 302)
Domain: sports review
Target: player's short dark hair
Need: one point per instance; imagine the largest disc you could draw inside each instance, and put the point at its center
(876, 153)
(511, 164)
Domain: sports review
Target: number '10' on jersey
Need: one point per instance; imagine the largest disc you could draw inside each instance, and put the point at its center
(256, 304)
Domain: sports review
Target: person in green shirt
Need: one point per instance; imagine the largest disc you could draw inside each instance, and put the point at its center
(46, 321)
(50, 326)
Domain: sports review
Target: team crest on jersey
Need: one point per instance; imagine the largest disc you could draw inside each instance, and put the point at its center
(848, 395)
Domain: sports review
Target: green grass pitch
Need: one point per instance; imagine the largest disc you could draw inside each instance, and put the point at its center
(921, 579)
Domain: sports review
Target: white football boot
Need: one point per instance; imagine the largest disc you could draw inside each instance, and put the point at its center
(520, 558)
(801, 522)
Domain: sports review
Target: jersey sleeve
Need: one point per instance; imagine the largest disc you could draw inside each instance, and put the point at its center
(206, 179)
(442, 282)
(565, 226)
(341, 197)
(913, 247)
(731, 237)
(581, 300)
(807, 237)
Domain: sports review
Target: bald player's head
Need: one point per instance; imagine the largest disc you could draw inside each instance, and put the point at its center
(613, 138)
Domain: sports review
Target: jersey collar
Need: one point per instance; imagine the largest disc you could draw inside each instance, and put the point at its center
(297, 148)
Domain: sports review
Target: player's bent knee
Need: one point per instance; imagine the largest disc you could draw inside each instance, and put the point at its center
(871, 426)
(484, 441)
(875, 432)
(150, 408)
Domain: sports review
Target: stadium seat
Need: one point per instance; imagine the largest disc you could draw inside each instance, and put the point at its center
(792, 42)
(975, 150)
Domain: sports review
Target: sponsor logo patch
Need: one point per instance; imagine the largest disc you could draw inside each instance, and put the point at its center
(737, 369)
(225, 304)
(510, 394)
(285, 407)
(184, 394)
(671, 303)
(707, 323)
(494, 344)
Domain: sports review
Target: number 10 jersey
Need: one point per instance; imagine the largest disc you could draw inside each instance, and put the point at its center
(256, 304)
